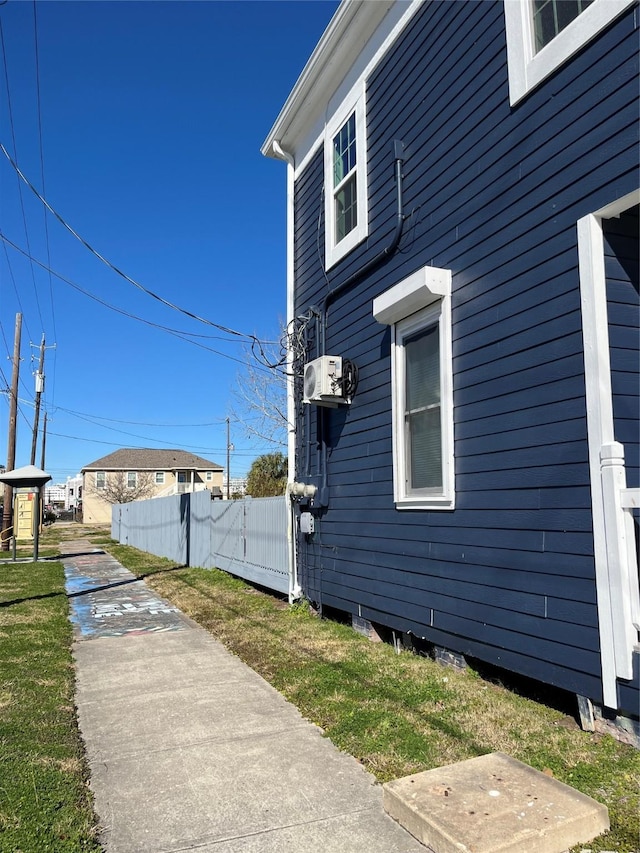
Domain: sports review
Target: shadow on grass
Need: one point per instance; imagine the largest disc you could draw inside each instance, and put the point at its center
(89, 590)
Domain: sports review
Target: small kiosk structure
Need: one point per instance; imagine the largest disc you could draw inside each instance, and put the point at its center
(27, 483)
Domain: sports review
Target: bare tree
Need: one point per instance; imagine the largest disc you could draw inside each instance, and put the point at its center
(260, 401)
(119, 490)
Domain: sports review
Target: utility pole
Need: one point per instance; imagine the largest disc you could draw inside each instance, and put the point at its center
(44, 441)
(228, 462)
(39, 390)
(7, 512)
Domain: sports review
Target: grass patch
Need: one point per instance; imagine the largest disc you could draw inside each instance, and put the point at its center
(45, 804)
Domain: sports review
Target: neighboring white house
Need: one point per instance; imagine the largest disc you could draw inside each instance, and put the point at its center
(73, 492)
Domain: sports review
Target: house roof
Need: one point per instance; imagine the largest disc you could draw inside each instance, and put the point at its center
(142, 458)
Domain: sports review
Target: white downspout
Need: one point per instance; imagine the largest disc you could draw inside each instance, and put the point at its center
(294, 587)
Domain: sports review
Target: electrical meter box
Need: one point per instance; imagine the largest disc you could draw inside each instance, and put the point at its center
(306, 522)
(24, 508)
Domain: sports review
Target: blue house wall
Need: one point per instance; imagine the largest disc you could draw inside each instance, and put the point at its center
(493, 194)
(622, 267)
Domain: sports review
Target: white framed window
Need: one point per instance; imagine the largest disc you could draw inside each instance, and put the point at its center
(159, 478)
(132, 479)
(543, 34)
(209, 476)
(101, 480)
(418, 309)
(345, 174)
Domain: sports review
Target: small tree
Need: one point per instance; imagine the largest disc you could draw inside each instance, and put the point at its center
(267, 476)
(117, 489)
(260, 395)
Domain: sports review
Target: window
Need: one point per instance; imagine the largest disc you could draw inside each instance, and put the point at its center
(543, 34)
(101, 480)
(420, 396)
(209, 476)
(132, 479)
(551, 16)
(159, 478)
(419, 312)
(345, 169)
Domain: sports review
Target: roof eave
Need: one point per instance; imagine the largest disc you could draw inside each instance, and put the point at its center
(347, 32)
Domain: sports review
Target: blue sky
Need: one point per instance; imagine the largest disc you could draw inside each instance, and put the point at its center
(141, 124)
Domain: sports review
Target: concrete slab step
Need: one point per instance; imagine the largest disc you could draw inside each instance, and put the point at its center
(493, 804)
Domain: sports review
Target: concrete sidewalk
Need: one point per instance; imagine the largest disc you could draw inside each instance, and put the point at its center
(190, 749)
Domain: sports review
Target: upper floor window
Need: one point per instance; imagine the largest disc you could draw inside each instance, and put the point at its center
(209, 476)
(159, 478)
(543, 34)
(132, 479)
(101, 480)
(552, 16)
(345, 169)
(419, 311)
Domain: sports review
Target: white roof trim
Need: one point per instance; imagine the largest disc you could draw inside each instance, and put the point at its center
(358, 36)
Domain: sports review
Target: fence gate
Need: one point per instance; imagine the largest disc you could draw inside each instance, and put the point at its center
(249, 539)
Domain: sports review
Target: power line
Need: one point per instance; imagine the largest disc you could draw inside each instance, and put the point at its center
(46, 221)
(15, 148)
(17, 292)
(139, 423)
(191, 448)
(183, 335)
(248, 337)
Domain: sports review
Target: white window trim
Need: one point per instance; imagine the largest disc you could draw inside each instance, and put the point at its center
(104, 481)
(528, 69)
(334, 252)
(160, 481)
(423, 295)
(135, 479)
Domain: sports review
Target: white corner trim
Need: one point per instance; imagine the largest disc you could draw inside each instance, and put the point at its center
(526, 68)
(615, 624)
(413, 293)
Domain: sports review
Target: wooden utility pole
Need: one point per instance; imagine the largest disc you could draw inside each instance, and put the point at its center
(39, 390)
(7, 512)
(44, 441)
(228, 461)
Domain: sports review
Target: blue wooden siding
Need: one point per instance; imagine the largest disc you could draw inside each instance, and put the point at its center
(622, 269)
(623, 310)
(494, 194)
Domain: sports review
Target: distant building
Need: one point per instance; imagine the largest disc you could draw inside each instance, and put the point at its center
(147, 474)
(237, 486)
(73, 493)
(55, 494)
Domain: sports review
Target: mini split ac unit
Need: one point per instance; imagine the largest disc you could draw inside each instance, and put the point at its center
(323, 381)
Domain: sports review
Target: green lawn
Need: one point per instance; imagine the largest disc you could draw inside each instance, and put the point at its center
(45, 803)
